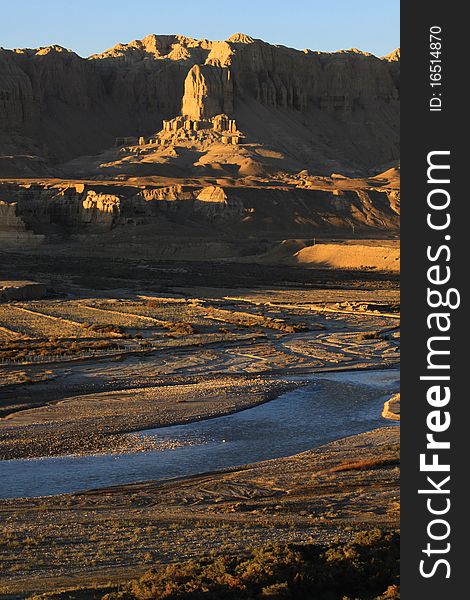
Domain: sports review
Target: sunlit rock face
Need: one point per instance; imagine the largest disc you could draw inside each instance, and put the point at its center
(208, 91)
(57, 105)
(54, 210)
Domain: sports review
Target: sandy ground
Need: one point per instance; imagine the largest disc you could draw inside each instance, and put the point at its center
(391, 408)
(351, 256)
(111, 534)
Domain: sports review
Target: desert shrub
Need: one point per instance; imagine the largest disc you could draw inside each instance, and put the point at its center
(366, 568)
(364, 464)
(103, 328)
(48, 348)
(154, 303)
(181, 328)
(370, 335)
(277, 591)
(391, 593)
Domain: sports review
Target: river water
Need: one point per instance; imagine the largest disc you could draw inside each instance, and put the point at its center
(332, 406)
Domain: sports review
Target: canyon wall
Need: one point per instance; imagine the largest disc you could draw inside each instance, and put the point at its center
(56, 105)
(63, 209)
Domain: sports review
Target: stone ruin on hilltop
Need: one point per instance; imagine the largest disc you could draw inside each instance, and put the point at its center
(184, 127)
(220, 128)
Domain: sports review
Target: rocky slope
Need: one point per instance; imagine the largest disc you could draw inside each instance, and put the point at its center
(54, 210)
(324, 111)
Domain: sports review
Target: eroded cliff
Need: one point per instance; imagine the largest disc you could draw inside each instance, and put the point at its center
(317, 108)
(58, 210)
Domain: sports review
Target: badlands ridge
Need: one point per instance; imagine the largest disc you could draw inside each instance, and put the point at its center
(222, 141)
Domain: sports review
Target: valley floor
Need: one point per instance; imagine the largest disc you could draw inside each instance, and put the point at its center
(86, 367)
(117, 533)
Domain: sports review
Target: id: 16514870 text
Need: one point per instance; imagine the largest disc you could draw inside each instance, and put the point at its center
(435, 68)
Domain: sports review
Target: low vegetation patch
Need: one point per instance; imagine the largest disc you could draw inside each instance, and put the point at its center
(362, 465)
(366, 568)
(33, 350)
(181, 328)
(370, 335)
(103, 328)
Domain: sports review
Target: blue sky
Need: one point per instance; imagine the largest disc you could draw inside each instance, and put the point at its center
(89, 26)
